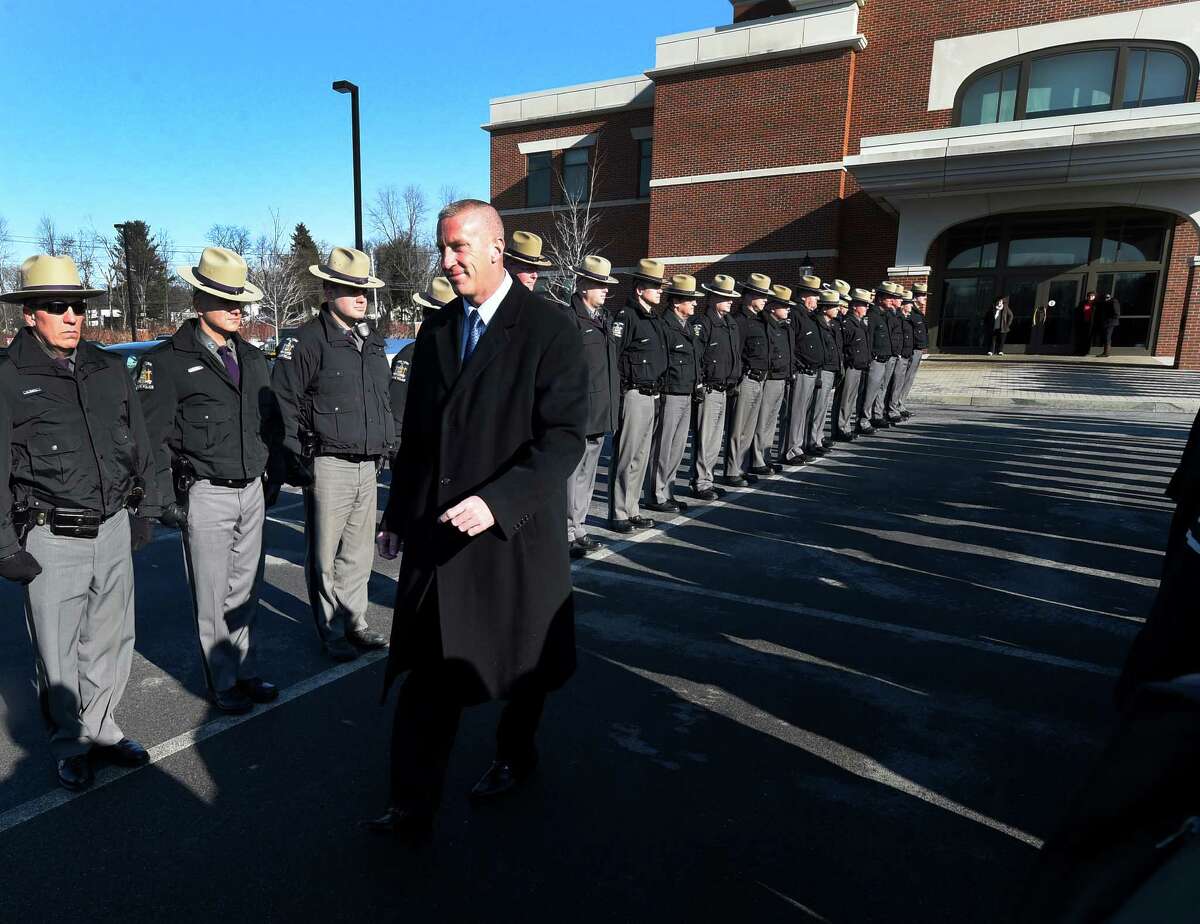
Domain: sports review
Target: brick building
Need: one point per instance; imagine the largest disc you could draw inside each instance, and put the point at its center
(1033, 149)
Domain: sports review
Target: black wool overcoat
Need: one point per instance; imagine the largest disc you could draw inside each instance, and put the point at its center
(509, 428)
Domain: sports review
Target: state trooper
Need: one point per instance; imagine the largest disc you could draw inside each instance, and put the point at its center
(523, 258)
(680, 390)
(896, 392)
(856, 353)
(747, 396)
(720, 370)
(73, 457)
(895, 330)
(332, 381)
(593, 280)
(214, 428)
(437, 296)
(641, 361)
(808, 357)
(920, 342)
(830, 370)
(779, 372)
(871, 399)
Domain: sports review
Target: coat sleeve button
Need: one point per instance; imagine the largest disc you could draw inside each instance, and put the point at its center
(445, 481)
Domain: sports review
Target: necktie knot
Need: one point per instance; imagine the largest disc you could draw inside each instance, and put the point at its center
(475, 329)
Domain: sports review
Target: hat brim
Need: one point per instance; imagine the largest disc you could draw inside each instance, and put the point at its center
(249, 293)
(806, 290)
(540, 262)
(719, 294)
(422, 301)
(594, 277)
(681, 293)
(371, 283)
(648, 280)
(27, 295)
(748, 289)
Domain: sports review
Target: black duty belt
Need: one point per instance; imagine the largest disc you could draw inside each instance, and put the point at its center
(349, 457)
(777, 376)
(714, 387)
(681, 394)
(650, 391)
(63, 521)
(238, 483)
(757, 376)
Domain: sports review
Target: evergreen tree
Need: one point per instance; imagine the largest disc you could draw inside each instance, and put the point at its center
(304, 255)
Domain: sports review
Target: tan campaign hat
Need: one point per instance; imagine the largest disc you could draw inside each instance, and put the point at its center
(920, 288)
(810, 285)
(682, 286)
(45, 276)
(348, 267)
(439, 294)
(889, 290)
(860, 296)
(526, 247)
(782, 295)
(596, 269)
(758, 284)
(722, 287)
(841, 286)
(651, 271)
(829, 298)
(222, 273)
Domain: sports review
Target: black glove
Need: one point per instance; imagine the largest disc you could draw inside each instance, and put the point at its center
(270, 492)
(20, 566)
(174, 516)
(141, 531)
(299, 470)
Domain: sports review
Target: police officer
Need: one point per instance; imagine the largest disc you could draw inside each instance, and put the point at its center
(856, 352)
(920, 342)
(779, 372)
(809, 357)
(523, 258)
(871, 401)
(896, 392)
(437, 296)
(73, 457)
(641, 361)
(720, 369)
(830, 370)
(680, 389)
(213, 424)
(895, 329)
(600, 348)
(332, 380)
(747, 396)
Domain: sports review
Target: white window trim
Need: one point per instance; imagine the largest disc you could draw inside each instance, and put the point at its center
(747, 174)
(558, 144)
(748, 257)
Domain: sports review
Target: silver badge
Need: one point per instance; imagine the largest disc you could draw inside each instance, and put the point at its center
(289, 347)
(145, 379)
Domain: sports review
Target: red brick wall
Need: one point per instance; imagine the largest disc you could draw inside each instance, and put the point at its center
(1179, 323)
(620, 234)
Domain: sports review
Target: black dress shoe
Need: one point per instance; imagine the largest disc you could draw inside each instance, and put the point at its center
(669, 507)
(738, 482)
(880, 424)
(709, 495)
(865, 431)
(340, 650)
(641, 522)
(501, 777)
(720, 493)
(906, 414)
(762, 470)
(818, 451)
(775, 467)
(895, 421)
(620, 526)
(126, 752)
(233, 701)
(405, 824)
(366, 640)
(75, 773)
(751, 478)
(259, 690)
(796, 460)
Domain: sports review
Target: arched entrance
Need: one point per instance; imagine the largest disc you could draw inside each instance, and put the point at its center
(1046, 263)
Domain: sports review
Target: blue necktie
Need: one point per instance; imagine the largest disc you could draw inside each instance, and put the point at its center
(474, 332)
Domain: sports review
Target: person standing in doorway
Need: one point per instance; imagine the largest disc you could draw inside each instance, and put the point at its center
(999, 322)
(1110, 320)
(1085, 320)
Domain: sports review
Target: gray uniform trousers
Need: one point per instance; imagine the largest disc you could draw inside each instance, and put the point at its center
(872, 400)
(849, 399)
(879, 408)
(803, 391)
(709, 436)
(822, 402)
(223, 554)
(896, 387)
(768, 420)
(580, 487)
(79, 612)
(913, 365)
(670, 443)
(633, 453)
(339, 533)
(745, 421)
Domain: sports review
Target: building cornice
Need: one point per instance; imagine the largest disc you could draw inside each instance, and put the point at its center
(792, 170)
(601, 204)
(573, 102)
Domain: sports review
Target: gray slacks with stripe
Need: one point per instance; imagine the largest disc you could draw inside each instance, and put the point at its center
(745, 422)
(223, 554)
(895, 399)
(879, 409)
(709, 436)
(914, 364)
(79, 612)
(804, 389)
(339, 535)
(822, 402)
(849, 399)
(580, 487)
(670, 442)
(872, 402)
(633, 453)
(768, 420)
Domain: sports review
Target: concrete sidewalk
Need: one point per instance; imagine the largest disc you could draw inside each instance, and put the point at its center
(1057, 383)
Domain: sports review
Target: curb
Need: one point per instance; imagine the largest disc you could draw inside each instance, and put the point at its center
(1070, 402)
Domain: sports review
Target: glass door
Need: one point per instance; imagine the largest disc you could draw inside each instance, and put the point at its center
(1057, 299)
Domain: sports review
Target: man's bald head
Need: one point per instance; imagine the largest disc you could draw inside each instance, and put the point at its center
(471, 242)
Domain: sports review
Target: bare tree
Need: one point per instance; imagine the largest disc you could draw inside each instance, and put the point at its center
(232, 237)
(9, 281)
(573, 237)
(404, 256)
(273, 269)
(448, 193)
(48, 238)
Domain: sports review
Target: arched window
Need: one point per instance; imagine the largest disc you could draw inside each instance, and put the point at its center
(1078, 78)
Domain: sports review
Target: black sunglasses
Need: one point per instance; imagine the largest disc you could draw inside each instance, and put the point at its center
(60, 307)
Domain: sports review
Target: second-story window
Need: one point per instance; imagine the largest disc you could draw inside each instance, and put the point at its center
(575, 174)
(645, 166)
(537, 179)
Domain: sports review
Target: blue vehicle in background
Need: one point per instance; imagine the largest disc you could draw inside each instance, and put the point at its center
(132, 351)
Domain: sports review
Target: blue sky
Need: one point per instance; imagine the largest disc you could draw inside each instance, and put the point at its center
(185, 115)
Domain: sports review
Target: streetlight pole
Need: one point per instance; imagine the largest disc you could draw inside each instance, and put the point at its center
(345, 86)
(129, 305)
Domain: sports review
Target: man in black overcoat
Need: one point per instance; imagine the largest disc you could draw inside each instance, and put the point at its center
(493, 427)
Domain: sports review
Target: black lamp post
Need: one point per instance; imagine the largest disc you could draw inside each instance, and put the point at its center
(129, 305)
(345, 86)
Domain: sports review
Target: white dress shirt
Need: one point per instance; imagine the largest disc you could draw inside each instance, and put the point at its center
(486, 311)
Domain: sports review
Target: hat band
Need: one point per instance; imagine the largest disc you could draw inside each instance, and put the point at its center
(219, 286)
(63, 287)
(346, 277)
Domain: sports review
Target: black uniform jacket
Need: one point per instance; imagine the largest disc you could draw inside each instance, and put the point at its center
(683, 355)
(194, 410)
(600, 349)
(810, 347)
(509, 428)
(398, 386)
(720, 349)
(906, 330)
(920, 330)
(895, 329)
(753, 334)
(67, 440)
(831, 346)
(779, 346)
(643, 355)
(327, 386)
(854, 343)
(878, 337)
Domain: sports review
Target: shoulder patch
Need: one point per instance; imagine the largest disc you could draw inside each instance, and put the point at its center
(131, 361)
(400, 370)
(288, 348)
(697, 329)
(618, 329)
(145, 379)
